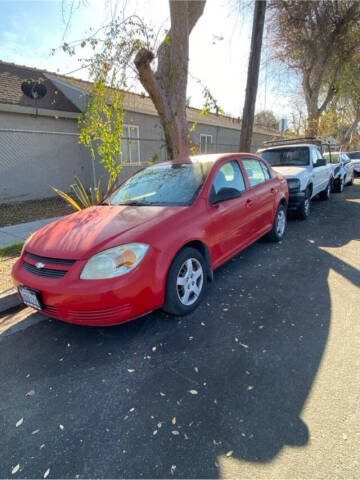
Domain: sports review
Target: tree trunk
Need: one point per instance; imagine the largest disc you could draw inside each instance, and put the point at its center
(253, 76)
(167, 86)
(312, 127)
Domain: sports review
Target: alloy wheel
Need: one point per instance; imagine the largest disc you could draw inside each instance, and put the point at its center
(281, 222)
(189, 281)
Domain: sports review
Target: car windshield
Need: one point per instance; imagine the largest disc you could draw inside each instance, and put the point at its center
(291, 156)
(175, 184)
(354, 155)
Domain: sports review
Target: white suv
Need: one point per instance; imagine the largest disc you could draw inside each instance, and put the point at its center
(305, 169)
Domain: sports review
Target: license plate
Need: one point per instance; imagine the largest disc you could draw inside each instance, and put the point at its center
(30, 297)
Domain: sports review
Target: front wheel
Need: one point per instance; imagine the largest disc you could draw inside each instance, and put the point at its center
(351, 179)
(186, 282)
(304, 209)
(325, 194)
(340, 185)
(277, 232)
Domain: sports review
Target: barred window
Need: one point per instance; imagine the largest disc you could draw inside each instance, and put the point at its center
(130, 145)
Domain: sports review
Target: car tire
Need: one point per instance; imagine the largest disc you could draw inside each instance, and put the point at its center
(340, 185)
(326, 194)
(278, 230)
(305, 207)
(186, 282)
(351, 180)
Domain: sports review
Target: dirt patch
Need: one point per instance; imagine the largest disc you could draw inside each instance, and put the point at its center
(30, 210)
(6, 264)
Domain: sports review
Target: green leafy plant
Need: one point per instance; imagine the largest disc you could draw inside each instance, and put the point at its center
(83, 199)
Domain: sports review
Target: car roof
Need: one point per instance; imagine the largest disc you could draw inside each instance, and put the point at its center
(207, 158)
(277, 147)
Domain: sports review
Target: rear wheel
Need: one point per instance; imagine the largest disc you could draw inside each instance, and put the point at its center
(186, 282)
(304, 209)
(277, 232)
(325, 194)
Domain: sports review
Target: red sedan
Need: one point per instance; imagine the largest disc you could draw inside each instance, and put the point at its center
(155, 242)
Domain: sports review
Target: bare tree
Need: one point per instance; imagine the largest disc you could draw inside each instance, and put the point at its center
(253, 76)
(126, 45)
(167, 85)
(315, 39)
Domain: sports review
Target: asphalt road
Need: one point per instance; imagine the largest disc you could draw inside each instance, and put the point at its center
(262, 381)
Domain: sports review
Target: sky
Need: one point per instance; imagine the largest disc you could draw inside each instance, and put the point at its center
(219, 45)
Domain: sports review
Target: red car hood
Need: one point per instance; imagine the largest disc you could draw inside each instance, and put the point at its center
(89, 231)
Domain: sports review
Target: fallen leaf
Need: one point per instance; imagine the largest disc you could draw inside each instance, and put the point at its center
(131, 370)
(173, 421)
(15, 469)
(46, 474)
(61, 427)
(344, 436)
(132, 409)
(172, 470)
(19, 422)
(196, 369)
(30, 393)
(153, 349)
(155, 432)
(229, 454)
(42, 446)
(250, 387)
(35, 431)
(175, 432)
(193, 392)
(162, 394)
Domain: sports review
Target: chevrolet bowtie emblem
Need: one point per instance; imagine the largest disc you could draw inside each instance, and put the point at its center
(39, 265)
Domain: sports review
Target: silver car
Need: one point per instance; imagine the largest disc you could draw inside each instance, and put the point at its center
(355, 158)
(343, 170)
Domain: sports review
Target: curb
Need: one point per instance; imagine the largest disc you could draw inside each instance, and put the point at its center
(9, 299)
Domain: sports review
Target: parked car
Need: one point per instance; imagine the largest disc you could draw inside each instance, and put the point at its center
(355, 157)
(343, 170)
(155, 242)
(305, 169)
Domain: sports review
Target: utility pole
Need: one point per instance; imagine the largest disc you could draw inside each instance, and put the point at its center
(253, 76)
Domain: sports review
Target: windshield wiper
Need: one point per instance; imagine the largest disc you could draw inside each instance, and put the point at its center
(139, 204)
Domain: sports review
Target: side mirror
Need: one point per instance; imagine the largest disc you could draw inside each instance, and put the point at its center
(225, 193)
(320, 162)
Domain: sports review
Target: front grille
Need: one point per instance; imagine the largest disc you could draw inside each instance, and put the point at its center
(44, 272)
(103, 314)
(54, 261)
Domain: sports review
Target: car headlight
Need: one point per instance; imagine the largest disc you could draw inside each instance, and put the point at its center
(26, 242)
(114, 262)
(293, 184)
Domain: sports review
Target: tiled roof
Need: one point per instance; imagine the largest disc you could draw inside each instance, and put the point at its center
(11, 78)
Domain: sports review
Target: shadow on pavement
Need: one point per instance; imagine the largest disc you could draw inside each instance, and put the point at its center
(162, 397)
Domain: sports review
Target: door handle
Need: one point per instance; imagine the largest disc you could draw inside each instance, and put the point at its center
(249, 203)
(273, 190)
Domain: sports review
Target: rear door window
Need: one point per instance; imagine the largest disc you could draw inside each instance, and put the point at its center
(256, 171)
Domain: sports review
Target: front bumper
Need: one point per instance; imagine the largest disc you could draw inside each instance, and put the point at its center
(96, 302)
(295, 200)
